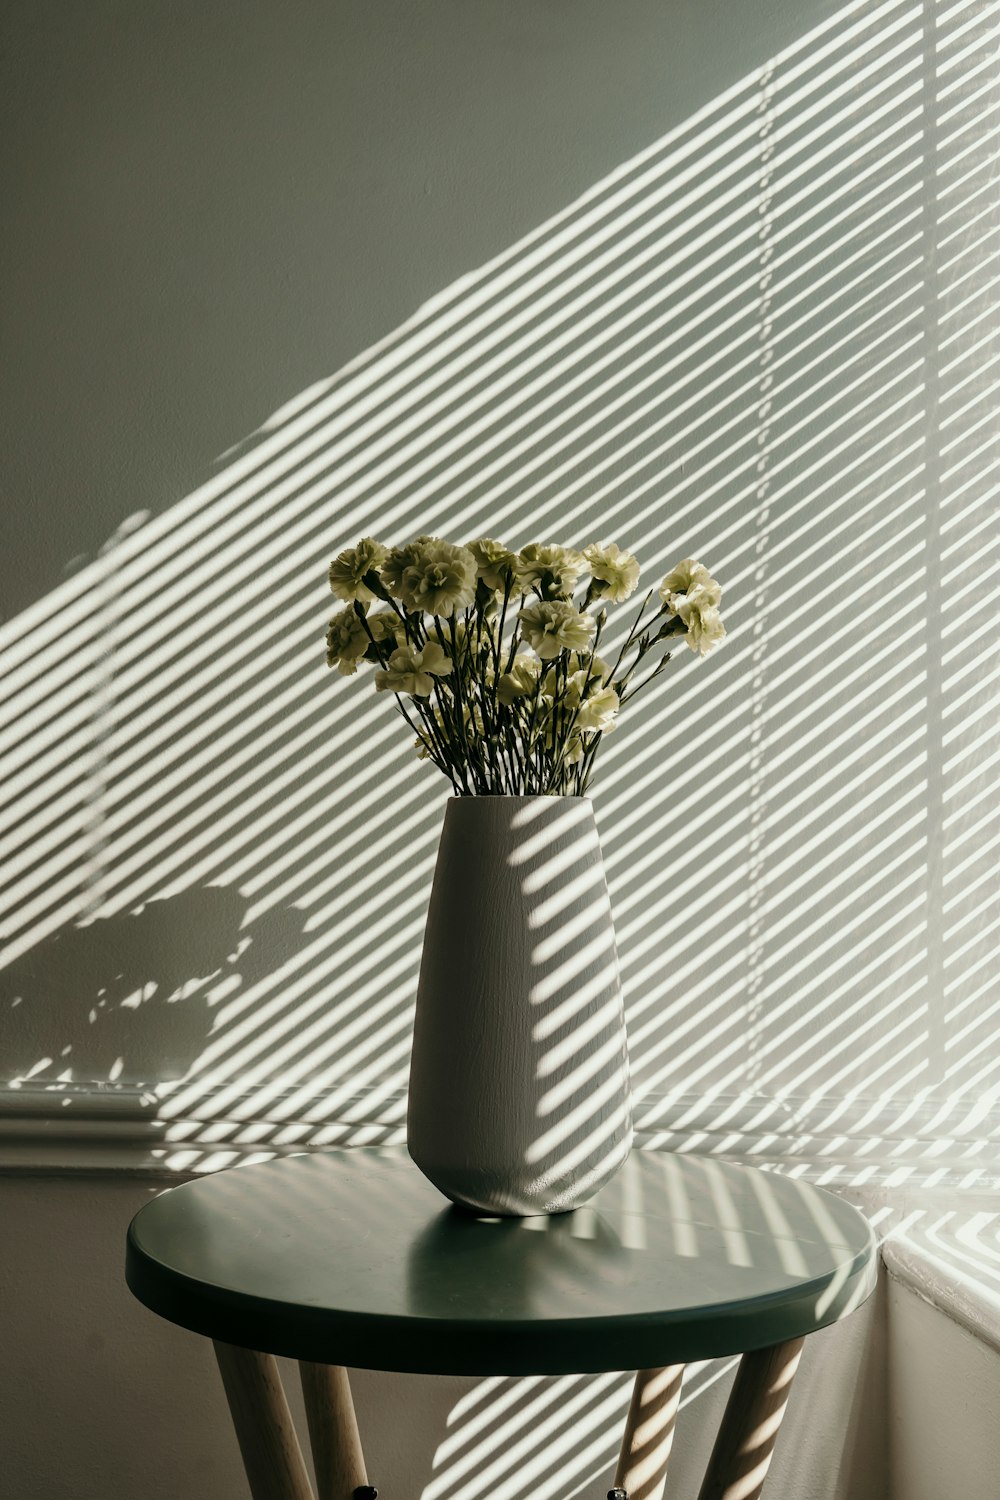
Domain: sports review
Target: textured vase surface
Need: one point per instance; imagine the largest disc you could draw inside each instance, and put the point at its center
(519, 1092)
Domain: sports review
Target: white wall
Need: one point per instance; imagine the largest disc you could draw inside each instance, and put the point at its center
(945, 1387)
(707, 279)
(943, 1349)
(710, 281)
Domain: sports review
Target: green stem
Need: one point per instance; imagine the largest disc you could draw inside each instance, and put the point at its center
(515, 639)
(430, 739)
(627, 697)
(631, 635)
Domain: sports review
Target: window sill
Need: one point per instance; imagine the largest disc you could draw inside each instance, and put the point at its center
(951, 1260)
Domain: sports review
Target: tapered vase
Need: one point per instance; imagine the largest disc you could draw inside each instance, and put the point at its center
(519, 1090)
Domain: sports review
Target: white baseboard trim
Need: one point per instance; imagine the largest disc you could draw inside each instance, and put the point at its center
(924, 1140)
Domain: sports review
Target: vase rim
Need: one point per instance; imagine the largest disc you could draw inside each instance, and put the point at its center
(515, 797)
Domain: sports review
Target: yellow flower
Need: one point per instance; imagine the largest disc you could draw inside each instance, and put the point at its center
(597, 667)
(552, 570)
(551, 626)
(574, 749)
(520, 680)
(397, 560)
(348, 569)
(615, 573)
(693, 595)
(571, 691)
(688, 575)
(434, 658)
(704, 623)
(584, 686)
(386, 627)
(413, 672)
(346, 642)
(599, 711)
(439, 578)
(494, 562)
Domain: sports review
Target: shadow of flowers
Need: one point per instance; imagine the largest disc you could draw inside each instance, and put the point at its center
(125, 999)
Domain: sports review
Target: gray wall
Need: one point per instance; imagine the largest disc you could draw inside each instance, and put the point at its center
(710, 280)
(707, 279)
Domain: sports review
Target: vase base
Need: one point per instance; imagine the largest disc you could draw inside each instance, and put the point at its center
(498, 1193)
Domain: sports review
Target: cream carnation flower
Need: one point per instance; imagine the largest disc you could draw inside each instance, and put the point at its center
(573, 688)
(348, 569)
(439, 578)
(550, 569)
(574, 749)
(413, 672)
(704, 623)
(597, 667)
(551, 626)
(346, 642)
(397, 560)
(494, 562)
(577, 685)
(521, 680)
(693, 595)
(615, 573)
(688, 575)
(599, 711)
(386, 627)
(435, 659)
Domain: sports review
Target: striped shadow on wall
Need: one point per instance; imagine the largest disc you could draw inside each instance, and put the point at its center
(768, 340)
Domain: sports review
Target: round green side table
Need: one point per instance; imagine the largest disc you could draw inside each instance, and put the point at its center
(351, 1258)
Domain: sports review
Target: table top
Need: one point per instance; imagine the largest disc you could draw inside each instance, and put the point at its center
(351, 1257)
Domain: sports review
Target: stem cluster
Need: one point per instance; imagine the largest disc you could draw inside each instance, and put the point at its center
(492, 734)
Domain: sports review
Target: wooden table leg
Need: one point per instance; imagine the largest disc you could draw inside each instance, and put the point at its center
(271, 1454)
(649, 1433)
(743, 1448)
(333, 1431)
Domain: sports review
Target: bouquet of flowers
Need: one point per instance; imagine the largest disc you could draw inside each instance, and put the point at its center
(493, 655)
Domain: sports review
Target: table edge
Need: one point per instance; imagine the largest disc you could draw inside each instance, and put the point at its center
(483, 1347)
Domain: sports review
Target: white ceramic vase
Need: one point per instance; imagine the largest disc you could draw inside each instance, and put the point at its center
(519, 1091)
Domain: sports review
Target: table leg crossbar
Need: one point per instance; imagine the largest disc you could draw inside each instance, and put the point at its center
(276, 1469)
